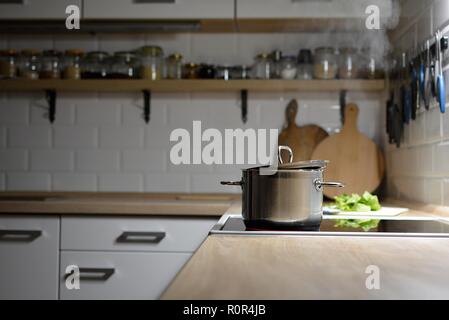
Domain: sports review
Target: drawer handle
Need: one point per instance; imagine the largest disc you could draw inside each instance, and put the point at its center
(153, 1)
(141, 237)
(96, 274)
(19, 235)
(22, 2)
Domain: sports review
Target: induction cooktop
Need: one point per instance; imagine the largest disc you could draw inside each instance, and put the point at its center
(346, 226)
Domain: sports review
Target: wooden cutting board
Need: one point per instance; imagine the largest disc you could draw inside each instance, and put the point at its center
(354, 159)
(302, 140)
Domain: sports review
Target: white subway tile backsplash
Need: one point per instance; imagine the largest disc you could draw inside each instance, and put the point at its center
(215, 48)
(116, 42)
(445, 192)
(441, 162)
(433, 191)
(29, 137)
(13, 160)
(2, 182)
(124, 137)
(14, 111)
(86, 42)
(28, 181)
(97, 161)
(104, 112)
(433, 125)
(75, 137)
(155, 182)
(440, 13)
(120, 182)
(2, 137)
(74, 182)
(51, 160)
(144, 160)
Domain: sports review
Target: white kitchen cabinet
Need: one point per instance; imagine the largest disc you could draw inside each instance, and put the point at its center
(120, 275)
(29, 257)
(291, 9)
(177, 234)
(35, 9)
(159, 9)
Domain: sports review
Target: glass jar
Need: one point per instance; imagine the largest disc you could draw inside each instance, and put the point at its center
(50, 65)
(123, 66)
(95, 65)
(276, 57)
(262, 66)
(371, 65)
(190, 70)
(206, 71)
(174, 66)
(288, 68)
(151, 62)
(29, 65)
(305, 65)
(348, 63)
(72, 64)
(325, 63)
(240, 72)
(223, 72)
(8, 64)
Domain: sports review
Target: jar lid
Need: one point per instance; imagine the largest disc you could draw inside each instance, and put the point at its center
(8, 53)
(154, 51)
(30, 52)
(325, 49)
(348, 50)
(74, 52)
(289, 58)
(175, 56)
(52, 53)
(127, 55)
(276, 55)
(97, 54)
(305, 56)
(263, 56)
(190, 65)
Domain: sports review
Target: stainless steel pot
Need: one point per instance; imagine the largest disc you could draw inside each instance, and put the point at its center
(287, 198)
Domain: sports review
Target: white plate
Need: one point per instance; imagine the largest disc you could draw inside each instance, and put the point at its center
(384, 212)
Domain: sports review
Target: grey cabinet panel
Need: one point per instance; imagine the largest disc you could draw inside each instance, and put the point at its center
(134, 233)
(29, 257)
(159, 9)
(36, 9)
(136, 275)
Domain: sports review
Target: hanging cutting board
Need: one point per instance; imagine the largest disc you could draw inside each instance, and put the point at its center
(354, 159)
(302, 140)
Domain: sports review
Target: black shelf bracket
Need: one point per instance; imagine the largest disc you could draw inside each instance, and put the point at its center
(244, 104)
(50, 96)
(146, 105)
(342, 105)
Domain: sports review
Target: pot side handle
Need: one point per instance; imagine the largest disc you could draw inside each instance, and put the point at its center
(320, 184)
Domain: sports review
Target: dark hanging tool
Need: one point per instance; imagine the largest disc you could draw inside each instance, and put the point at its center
(50, 96)
(146, 105)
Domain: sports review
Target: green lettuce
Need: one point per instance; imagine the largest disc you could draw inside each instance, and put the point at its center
(364, 224)
(365, 203)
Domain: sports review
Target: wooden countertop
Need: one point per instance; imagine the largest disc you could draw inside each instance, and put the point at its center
(312, 267)
(115, 203)
(317, 267)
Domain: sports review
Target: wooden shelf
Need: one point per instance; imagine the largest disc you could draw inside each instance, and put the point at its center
(190, 85)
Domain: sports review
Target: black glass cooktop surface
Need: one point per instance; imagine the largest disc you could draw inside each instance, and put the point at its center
(387, 227)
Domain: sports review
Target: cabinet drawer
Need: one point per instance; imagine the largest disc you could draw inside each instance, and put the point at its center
(29, 257)
(134, 234)
(159, 9)
(120, 275)
(33, 9)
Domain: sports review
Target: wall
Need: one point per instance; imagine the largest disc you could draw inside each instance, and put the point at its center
(419, 170)
(99, 142)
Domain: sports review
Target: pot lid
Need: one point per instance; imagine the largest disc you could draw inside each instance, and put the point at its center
(309, 164)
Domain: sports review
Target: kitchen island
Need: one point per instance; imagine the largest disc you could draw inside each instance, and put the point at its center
(318, 267)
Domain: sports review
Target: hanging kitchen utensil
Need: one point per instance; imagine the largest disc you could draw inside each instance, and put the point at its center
(428, 77)
(302, 140)
(389, 117)
(353, 158)
(440, 83)
(406, 99)
(422, 76)
(414, 84)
